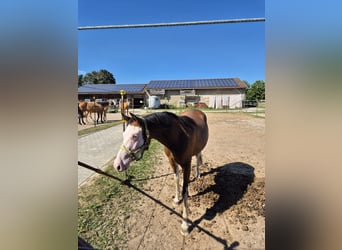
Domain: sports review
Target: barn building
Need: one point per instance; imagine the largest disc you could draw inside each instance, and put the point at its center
(214, 93)
(102, 92)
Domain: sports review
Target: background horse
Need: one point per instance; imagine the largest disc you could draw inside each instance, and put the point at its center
(98, 108)
(80, 116)
(183, 137)
(124, 106)
(82, 109)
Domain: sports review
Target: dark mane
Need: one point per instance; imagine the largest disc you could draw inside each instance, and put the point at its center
(166, 120)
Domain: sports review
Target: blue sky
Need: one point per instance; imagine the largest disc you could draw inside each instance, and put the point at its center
(171, 53)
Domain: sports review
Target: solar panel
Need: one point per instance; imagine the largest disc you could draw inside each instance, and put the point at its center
(193, 84)
(164, 84)
(109, 88)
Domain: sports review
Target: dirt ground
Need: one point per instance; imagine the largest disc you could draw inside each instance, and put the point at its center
(227, 203)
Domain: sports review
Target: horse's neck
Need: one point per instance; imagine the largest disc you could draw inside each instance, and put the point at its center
(166, 132)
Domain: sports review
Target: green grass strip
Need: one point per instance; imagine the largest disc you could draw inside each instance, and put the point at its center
(98, 127)
(104, 204)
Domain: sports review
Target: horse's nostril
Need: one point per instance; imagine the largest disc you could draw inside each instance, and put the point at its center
(116, 167)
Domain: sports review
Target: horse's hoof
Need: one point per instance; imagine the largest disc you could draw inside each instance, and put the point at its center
(185, 231)
(176, 201)
(185, 228)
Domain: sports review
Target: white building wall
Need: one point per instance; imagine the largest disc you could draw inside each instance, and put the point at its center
(222, 98)
(215, 98)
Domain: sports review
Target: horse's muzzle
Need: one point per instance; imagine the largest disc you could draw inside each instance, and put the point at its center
(120, 164)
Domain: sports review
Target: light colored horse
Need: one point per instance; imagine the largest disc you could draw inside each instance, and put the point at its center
(183, 137)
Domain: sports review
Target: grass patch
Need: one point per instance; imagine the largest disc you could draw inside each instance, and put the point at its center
(98, 127)
(261, 104)
(104, 205)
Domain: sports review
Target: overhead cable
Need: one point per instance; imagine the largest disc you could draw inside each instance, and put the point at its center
(129, 26)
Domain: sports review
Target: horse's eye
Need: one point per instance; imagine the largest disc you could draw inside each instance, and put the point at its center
(135, 137)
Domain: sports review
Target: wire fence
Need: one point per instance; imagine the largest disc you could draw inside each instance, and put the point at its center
(254, 107)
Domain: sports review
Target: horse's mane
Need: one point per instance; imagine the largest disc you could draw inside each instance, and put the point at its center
(167, 119)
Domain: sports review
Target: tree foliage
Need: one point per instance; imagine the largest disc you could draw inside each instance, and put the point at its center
(247, 83)
(80, 80)
(101, 76)
(256, 91)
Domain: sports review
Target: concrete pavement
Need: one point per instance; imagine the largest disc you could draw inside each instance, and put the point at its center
(97, 149)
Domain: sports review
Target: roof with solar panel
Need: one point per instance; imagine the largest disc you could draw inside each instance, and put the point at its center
(197, 84)
(222, 83)
(108, 88)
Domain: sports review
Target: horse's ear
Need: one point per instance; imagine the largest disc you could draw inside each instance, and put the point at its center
(134, 117)
(125, 117)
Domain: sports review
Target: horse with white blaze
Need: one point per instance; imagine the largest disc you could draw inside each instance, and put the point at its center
(183, 136)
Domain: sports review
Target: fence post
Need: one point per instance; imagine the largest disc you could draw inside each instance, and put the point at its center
(94, 98)
(122, 93)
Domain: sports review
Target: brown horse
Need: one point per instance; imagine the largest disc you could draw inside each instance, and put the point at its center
(124, 106)
(183, 137)
(98, 108)
(80, 116)
(82, 109)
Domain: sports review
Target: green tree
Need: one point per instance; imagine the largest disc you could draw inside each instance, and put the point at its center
(256, 91)
(104, 76)
(80, 80)
(247, 83)
(101, 76)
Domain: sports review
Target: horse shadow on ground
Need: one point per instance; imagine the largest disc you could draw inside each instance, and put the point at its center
(231, 183)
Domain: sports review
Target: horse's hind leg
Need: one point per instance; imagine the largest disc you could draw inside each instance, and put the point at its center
(175, 170)
(199, 163)
(99, 117)
(80, 121)
(186, 175)
(100, 114)
(105, 114)
(86, 113)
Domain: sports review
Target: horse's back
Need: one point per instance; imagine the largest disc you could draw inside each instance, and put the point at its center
(94, 107)
(201, 131)
(198, 116)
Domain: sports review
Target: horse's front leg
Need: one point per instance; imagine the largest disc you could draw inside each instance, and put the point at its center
(175, 169)
(176, 200)
(186, 175)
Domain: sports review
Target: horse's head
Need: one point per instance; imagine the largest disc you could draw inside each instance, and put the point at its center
(135, 142)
